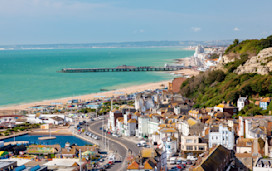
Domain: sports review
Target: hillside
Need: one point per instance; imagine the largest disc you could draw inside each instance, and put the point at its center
(235, 78)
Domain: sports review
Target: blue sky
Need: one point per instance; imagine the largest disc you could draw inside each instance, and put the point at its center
(94, 21)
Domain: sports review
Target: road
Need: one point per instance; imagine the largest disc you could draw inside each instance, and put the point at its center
(118, 145)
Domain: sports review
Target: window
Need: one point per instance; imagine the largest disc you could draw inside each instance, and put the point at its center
(189, 141)
(189, 148)
(216, 138)
(202, 148)
(249, 143)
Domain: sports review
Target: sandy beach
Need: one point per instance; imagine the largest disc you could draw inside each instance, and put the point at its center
(113, 93)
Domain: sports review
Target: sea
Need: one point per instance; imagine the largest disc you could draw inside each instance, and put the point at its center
(31, 75)
(60, 139)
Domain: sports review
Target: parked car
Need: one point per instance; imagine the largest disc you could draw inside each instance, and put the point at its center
(183, 162)
(173, 160)
(189, 162)
(147, 146)
(179, 161)
(192, 158)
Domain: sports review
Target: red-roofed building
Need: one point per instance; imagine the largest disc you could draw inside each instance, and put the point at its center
(176, 84)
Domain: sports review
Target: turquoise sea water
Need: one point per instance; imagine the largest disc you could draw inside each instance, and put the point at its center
(30, 75)
(61, 140)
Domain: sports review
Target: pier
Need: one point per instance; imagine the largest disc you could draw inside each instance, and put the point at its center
(123, 68)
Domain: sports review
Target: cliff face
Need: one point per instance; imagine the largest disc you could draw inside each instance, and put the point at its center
(260, 64)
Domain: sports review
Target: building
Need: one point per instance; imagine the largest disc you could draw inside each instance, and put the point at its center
(45, 150)
(8, 165)
(242, 102)
(8, 121)
(195, 113)
(245, 145)
(255, 127)
(221, 136)
(143, 126)
(218, 160)
(226, 107)
(131, 127)
(170, 145)
(192, 145)
(175, 85)
(145, 101)
(114, 114)
(265, 102)
(192, 127)
(263, 164)
(154, 122)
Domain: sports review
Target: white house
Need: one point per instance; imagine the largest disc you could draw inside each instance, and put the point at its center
(144, 101)
(8, 120)
(131, 128)
(48, 119)
(253, 127)
(153, 126)
(242, 102)
(221, 136)
(170, 145)
(143, 126)
(114, 114)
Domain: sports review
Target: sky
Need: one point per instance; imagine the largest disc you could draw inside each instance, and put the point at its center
(97, 21)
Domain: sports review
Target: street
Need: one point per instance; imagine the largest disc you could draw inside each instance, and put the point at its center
(117, 145)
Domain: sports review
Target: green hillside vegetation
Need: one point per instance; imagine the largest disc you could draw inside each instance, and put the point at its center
(249, 46)
(213, 87)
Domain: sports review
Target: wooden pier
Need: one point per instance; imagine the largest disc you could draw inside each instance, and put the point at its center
(122, 68)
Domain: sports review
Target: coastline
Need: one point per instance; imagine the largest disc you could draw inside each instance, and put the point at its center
(87, 97)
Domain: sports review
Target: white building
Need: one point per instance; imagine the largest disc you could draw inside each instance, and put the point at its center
(170, 146)
(145, 102)
(221, 136)
(199, 49)
(55, 119)
(263, 164)
(177, 110)
(153, 126)
(242, 102)
(114, 114)
(131, 128)
(143, 126)
(253, 127)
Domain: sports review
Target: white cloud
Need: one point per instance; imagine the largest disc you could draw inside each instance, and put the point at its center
(236, 29)
(196, 29)
(139, 31)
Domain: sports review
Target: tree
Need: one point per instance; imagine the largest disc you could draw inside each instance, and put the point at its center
(235, 42)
